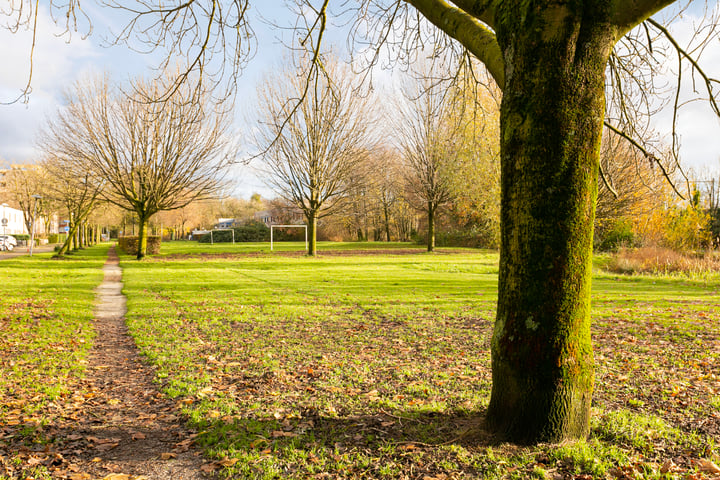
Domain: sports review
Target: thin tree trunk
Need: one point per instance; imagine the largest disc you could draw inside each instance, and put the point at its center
(551, 125)
(142, 237)
(387, 222)
(312, 233)
(431, 227)
(65, 247)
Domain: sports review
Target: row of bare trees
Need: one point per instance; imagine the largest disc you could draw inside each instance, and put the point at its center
(331, 151)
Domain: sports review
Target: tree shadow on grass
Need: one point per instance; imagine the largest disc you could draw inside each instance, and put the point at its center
(426, 443)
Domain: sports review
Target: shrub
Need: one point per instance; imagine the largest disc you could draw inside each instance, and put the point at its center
(620, 234)
(475, 237)
(57, 237)
(129, 245)
(688, 229)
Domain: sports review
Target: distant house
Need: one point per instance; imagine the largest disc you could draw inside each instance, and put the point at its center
(266, 217)
(226, 223)
(13, 221)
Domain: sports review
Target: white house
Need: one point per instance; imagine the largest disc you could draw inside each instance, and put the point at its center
(11, 221)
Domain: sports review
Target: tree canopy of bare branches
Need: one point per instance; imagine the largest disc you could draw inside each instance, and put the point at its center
(429, 136)
(73, 186)
(313, 147)
(151, 156)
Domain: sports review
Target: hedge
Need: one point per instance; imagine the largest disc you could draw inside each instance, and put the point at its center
(252, 232)
(129, 244)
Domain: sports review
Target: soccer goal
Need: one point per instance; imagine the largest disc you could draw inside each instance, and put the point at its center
(221, 230)
(287, 226)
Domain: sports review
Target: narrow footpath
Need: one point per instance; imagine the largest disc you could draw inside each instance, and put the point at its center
(127, 429)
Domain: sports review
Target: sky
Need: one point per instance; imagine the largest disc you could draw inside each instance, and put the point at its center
(60, 61)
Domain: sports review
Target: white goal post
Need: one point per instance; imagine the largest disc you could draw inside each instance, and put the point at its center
(288, 226)
(221, 230)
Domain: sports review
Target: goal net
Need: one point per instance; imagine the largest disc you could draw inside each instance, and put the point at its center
(272, 227)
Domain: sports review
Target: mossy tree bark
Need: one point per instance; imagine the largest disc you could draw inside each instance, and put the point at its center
(549, 58)
(551, 123)
(142, 236)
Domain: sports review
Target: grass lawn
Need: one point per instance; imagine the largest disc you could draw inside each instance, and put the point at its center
(45, 334)
(372, 365)
(45, 323)
(377, 365)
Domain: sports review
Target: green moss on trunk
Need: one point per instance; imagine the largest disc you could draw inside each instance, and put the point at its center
(551, 125)
(142, 237)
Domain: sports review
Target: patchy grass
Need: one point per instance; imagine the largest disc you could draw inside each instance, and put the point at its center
(46, 332)
(377, 366)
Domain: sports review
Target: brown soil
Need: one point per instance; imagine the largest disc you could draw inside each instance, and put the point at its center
(300, 253)
(125, 429)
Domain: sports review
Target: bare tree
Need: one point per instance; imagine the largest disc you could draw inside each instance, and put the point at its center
(152, 156)
(429, 137)
(634, 186)
(386, 186)
(314, 148)
(75, 188)
(25, 184)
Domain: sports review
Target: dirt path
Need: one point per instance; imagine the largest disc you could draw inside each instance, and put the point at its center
(127, 430)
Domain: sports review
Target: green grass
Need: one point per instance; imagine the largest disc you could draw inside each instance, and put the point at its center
(46, 322)
(376, 365)
(372, 365)
(187, 247)
(45, 334)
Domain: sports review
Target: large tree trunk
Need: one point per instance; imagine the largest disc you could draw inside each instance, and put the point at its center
(551, 125)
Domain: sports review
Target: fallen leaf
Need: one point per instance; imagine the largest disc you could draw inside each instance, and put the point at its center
(32, 461)
(117, 476)
(138, 436)
(667, 466)
(707, 466)
(104, 447)
(228, 462)
(80, 476)
(209, 467)
(167, 455)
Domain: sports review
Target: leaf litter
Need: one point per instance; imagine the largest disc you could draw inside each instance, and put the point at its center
(113, 424)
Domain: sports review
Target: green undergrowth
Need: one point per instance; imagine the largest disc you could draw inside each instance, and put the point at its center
(377, 365)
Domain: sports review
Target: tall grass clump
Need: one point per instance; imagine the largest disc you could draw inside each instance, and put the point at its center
(663, 261)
